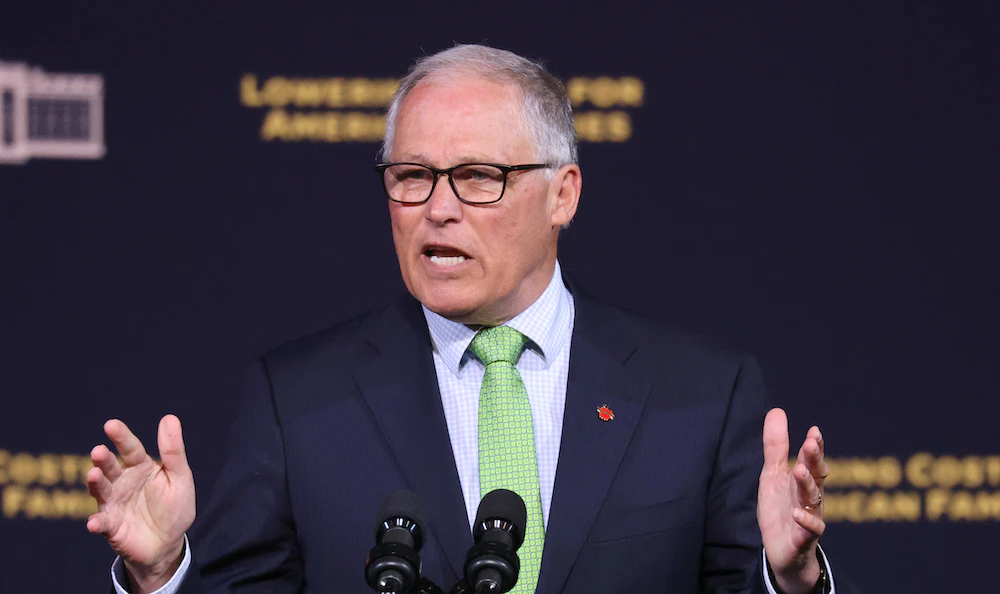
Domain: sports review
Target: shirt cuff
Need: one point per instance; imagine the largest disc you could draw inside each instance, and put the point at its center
(118, 576)
(773, 590)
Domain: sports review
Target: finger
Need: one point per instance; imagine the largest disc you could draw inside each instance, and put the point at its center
(102, 458)
(814, 442)
(171, 443)
(807, 490)
(819, 438)
(98, 485)
(776, 440)
(812, 523)
(128, 445)
(811, 454)
(99, 523)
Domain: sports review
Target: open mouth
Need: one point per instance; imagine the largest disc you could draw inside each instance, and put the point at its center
(445, 255)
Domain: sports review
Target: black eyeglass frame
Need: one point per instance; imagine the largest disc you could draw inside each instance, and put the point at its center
(506, 169)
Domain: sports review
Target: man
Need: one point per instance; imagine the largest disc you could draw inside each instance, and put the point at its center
(635, 447)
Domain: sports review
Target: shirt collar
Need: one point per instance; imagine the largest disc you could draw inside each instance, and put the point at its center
(546, 323)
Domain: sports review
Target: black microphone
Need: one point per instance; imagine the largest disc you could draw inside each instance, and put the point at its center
(492, 564)
(393, 564)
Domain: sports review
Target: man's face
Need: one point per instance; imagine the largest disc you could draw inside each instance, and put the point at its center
(476, 264)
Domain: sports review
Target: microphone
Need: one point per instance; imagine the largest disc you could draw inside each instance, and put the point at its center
(492, 564)
(393, 565)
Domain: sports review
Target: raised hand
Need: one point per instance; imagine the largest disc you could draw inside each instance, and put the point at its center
(790, 505)
(144, 507)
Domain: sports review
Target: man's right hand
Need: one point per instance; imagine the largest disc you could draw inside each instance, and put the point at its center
(144, 507)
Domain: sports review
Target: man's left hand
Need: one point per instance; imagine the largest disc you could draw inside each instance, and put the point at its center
(790, 505)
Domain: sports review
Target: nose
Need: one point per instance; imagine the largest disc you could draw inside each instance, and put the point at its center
(443, 206)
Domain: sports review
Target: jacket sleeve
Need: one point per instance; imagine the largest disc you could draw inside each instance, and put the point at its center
(246, 539)
(731, 559)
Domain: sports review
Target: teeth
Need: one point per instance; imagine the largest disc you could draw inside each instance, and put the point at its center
(447, 260)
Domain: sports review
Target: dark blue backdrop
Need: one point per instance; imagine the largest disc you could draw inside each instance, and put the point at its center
(814, 186)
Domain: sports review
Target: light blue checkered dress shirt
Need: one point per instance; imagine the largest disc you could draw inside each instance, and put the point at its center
(544, 368)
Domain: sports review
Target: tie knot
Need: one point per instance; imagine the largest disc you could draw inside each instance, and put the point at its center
(498, 343)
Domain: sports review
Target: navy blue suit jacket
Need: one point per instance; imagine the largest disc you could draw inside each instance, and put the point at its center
(662, 498)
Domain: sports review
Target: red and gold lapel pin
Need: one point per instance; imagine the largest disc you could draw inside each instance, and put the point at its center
(605, 414)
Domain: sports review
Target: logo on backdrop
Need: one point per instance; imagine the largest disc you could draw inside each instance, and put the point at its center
(920, 487)
(50, 486)
(49, 115)
(340, 109)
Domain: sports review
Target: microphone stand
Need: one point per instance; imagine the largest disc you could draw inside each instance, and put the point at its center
(425, 586)
(462, 587)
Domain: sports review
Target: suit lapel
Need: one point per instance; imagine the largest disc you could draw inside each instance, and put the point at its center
(591, 450)
(400, 386)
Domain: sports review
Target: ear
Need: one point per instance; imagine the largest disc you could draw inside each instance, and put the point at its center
(564, 193)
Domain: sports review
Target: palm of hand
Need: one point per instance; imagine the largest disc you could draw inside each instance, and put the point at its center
(777, 498)
(144, 506)
(148, 512)
(790, 502)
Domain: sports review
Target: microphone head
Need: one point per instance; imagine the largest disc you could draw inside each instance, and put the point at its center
(502, 509)
(403, 509)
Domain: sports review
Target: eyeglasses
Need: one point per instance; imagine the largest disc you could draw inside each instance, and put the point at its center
(473, 183)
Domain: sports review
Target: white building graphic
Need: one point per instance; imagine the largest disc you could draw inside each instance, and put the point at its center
(59, 116)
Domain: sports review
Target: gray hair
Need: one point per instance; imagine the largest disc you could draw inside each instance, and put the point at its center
(545, 107)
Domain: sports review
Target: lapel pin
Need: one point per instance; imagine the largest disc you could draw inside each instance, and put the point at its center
(605, 414)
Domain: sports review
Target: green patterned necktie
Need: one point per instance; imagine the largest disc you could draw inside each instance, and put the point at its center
(507, 440)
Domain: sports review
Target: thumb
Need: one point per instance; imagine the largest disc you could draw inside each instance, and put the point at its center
(171, 445)
(775, 440)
